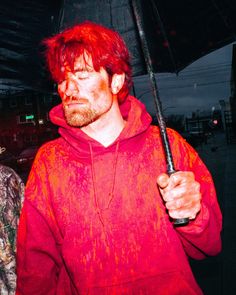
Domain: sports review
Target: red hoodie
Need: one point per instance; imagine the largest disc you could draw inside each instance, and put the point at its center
(93, 221)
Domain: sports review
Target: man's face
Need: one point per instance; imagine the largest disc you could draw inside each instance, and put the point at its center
(85, 93)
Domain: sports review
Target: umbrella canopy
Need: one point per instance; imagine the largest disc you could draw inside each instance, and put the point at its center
(177, 32)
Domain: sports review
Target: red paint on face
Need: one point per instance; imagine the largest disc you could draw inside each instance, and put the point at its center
(85, 93)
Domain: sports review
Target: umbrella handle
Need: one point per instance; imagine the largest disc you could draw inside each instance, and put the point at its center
(179, 221)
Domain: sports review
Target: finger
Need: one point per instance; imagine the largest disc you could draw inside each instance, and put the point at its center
(185, 213)
(175, 180)
(163, 180)
(180, 177)
(184, 202)
(185, 190)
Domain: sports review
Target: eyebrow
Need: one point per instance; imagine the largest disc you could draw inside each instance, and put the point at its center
(82, 69)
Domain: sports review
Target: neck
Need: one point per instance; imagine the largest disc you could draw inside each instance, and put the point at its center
(107, 128)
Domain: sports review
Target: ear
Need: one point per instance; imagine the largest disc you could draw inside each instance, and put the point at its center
(117, 82)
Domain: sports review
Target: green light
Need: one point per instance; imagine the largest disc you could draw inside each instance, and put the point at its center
(29, 117)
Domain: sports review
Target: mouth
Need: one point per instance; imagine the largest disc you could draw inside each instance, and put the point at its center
(75, 103)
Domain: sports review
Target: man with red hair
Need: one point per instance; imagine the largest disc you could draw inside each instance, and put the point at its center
(99, 209)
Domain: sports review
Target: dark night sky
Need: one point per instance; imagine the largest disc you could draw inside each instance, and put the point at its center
(200, 86)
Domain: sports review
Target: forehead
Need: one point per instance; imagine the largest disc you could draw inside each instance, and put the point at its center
(80, 63)
(84, 61)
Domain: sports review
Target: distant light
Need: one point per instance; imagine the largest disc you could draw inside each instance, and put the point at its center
(215, 122)
(29, 117)
(41, 122)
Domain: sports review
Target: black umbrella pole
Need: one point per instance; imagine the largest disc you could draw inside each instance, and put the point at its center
(160, 117)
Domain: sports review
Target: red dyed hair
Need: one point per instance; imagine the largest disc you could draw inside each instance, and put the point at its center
(106, 48)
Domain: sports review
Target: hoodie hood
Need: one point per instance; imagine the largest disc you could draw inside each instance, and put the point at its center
(133, 111)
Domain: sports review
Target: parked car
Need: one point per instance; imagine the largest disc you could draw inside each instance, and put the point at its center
(26, 158)
(7, 158)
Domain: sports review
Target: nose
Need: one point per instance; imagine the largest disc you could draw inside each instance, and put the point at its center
(71, 87)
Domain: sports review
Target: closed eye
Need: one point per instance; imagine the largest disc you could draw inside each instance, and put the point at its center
(81, 74)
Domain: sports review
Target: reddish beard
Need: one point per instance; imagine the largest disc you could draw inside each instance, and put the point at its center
(80, 118)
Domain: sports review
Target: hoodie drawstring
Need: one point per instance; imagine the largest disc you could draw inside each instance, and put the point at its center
(111, 193)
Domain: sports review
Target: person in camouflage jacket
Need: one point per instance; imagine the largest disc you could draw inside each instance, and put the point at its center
(11, 198)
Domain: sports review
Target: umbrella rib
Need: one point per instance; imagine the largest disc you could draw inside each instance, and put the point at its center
(163, 31)
(227, 25)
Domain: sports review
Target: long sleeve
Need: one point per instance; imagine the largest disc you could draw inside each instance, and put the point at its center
(38, 257)
(38, 261)
(202, 236)
(11, 199)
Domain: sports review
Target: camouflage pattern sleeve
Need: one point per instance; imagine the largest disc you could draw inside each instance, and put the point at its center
(11, 199)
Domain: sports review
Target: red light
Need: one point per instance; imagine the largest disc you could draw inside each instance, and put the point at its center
(215, 122)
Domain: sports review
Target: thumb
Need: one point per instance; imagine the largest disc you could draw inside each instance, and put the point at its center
(163, 180)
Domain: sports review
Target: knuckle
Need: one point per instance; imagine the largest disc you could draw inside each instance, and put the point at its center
(179, 203)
